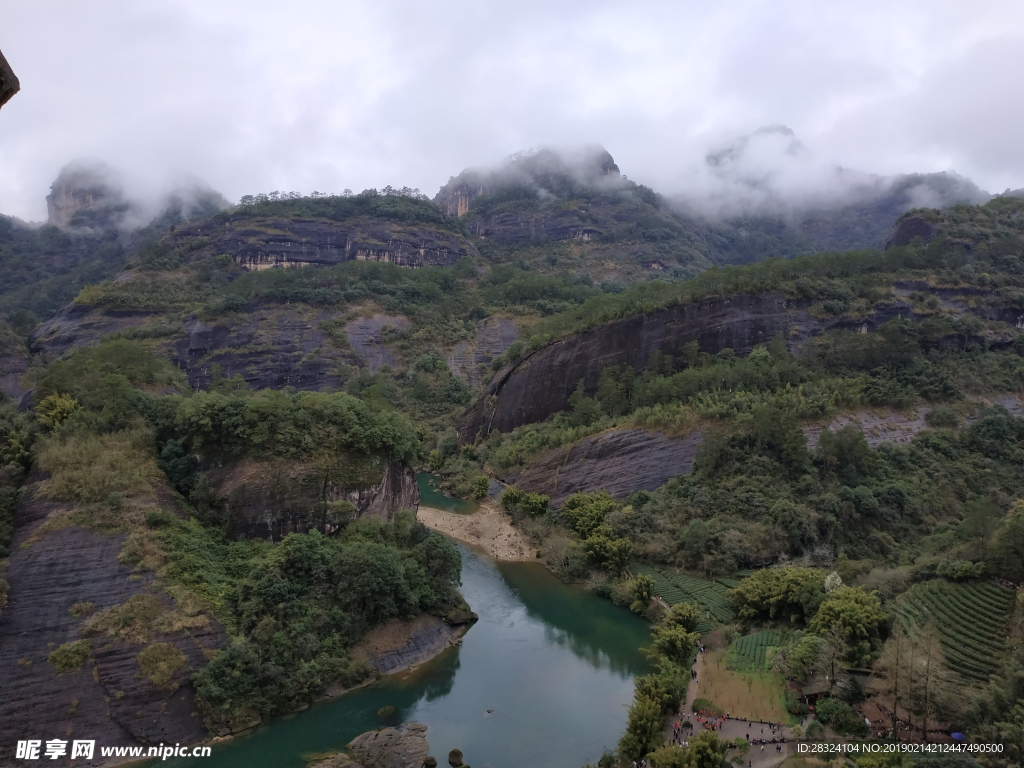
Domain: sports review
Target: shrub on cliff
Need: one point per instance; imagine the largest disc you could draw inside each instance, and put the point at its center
(69, 656)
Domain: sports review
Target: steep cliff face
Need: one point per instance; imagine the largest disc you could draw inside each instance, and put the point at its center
(14, 362)
(9, 84)
(270, 499)
(620, 461)
(84, 196)
(258, 242)
(269, 348)
(906, 229)
(539, 384)
(469, 359)
(105, 698)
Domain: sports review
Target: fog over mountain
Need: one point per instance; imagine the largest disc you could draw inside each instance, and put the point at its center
(770, 172)
(328, 97)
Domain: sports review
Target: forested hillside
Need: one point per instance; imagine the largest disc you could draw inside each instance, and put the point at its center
(227, 442)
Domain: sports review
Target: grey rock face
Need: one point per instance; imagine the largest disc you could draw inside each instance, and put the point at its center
(77, 565)
(421, 639)
(619, 461)
(259, 243)
(892, 427)
(270, 348)
(83, 195)
(367, 335)
(493, 336)
(540, 383)
(14, 362)
(907, 229)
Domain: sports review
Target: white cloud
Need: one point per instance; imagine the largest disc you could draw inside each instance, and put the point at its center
(321, 95)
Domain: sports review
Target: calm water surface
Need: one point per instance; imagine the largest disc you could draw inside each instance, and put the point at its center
(555, 663)
(432, 496)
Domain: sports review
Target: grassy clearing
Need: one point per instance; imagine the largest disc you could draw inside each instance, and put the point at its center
(753, 695)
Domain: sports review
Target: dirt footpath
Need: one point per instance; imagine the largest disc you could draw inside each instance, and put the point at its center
(488, 529)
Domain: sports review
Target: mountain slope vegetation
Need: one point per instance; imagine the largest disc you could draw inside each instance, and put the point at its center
(191, 388)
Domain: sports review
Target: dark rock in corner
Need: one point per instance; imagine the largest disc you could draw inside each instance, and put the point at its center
(9, 84)
(906, 229)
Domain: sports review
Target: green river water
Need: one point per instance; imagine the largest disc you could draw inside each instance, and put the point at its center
(554, 662)
(432, 496)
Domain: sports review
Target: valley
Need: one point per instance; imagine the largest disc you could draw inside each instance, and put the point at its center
(804, 453)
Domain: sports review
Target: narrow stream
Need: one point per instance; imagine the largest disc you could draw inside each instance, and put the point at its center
(431, 495)
(554, 662)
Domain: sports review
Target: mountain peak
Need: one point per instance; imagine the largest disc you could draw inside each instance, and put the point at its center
(85, 195)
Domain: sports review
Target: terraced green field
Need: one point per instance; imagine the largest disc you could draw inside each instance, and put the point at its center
(750, 652)
(679, 588)
(970, 619)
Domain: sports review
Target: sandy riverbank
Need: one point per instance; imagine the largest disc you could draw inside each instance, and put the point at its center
(488, 528)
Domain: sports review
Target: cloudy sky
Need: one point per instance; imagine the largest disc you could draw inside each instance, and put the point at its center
(296, 95)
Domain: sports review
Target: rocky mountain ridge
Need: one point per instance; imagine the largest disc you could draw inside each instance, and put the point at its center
(262, 243)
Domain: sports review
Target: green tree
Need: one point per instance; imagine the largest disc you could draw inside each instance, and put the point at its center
(643, 728)
(435, 460)
(859, 616)
(668, 756)
(481, 483)
(981, 517)
(535, 504)
(686, 615)
(706, 750)
(585, 410)
(807, 657)
(511, 498)
(674, 642)
(586, 511)
(792, 594)
(606, 551)
(55, 409)
(372, 582)
(642, 589)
